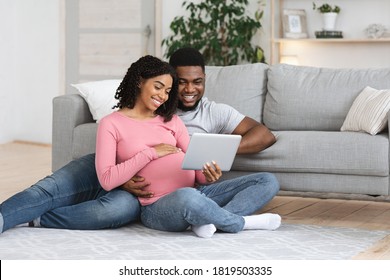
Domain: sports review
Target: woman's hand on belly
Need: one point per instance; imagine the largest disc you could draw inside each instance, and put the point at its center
(166, 149)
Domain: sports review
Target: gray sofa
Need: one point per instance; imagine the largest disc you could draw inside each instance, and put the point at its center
(304, 107)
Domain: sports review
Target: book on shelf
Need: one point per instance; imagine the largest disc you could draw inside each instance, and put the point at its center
(331, 34)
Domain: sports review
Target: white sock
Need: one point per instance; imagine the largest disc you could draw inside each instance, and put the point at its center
(37, 222)
(263, 221)
(204, 231)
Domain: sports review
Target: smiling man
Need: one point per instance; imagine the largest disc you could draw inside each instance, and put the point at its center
(202, 115)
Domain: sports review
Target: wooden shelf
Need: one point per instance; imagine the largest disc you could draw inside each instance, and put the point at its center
(332, 40)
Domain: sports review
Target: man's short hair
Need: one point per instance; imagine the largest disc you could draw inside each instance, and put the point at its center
(187, 57)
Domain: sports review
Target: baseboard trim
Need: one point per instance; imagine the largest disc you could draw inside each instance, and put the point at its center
(32, 143)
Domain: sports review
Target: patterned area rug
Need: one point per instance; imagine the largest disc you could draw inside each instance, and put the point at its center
(289, 242)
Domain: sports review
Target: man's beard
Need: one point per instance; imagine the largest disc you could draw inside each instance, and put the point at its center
(181, 106)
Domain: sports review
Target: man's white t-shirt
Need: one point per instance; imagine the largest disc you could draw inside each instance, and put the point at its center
(211, 117)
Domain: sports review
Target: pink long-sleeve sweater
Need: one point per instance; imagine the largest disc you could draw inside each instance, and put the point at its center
(124, 148)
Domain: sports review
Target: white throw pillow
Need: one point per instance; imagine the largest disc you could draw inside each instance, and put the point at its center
(100, 96)
(368, 112)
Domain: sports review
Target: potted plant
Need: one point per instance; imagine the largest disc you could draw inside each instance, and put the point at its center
(221, 30)
(329, 15)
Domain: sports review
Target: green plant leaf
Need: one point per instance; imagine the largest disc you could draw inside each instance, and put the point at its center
(220, 29)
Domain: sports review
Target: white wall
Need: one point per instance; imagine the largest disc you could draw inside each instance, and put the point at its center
(29, 78)
(7, 70)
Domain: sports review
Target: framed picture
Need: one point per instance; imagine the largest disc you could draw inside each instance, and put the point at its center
(294, 24)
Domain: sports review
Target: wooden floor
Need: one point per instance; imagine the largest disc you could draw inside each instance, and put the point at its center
(23, 164)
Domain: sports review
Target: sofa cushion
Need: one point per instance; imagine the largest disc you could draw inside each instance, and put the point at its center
(368, 112)
(311, 98)
(241, 86)
(99, 95)
(321, 152)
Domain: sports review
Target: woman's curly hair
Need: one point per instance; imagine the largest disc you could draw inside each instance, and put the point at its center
(145, 68)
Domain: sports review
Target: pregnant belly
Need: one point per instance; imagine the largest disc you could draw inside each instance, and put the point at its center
(165, 175)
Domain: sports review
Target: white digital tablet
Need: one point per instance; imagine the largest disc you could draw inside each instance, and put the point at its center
(207, 147)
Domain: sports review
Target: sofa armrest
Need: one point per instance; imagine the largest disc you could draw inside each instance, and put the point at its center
(388, 131)
(388, 122)
(69, 111)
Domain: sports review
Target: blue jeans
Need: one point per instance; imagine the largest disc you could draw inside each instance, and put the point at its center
(71, 198)
(223, 204)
